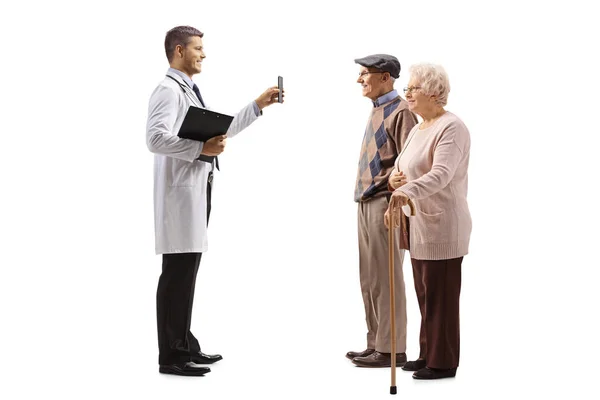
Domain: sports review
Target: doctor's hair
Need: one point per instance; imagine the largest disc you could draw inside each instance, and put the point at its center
(180, 35)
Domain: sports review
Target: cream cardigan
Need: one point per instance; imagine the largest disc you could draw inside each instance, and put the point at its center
(435, 161)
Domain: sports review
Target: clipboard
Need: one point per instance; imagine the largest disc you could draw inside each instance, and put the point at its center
(201, 124)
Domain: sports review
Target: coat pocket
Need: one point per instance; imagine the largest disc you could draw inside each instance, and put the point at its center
(183, 173)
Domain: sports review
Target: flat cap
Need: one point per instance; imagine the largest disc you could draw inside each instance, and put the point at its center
(384, 62)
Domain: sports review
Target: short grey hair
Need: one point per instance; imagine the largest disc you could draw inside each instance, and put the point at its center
(433, 80)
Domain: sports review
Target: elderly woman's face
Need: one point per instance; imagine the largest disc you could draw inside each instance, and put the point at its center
(417, 100)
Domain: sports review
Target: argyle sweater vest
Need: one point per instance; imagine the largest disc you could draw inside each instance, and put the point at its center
(377, 154)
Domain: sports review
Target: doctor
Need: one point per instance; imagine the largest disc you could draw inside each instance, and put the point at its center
(183, 173)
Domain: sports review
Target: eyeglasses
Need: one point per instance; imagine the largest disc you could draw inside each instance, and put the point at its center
(368, 72)
(411, 89)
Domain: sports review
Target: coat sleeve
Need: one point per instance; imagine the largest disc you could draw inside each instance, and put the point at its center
(160, 139)
(448, 152)
(242, 120)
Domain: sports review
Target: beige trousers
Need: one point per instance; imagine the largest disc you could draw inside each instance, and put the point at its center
(374, 277)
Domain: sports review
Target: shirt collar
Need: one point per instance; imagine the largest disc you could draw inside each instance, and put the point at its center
(185, 78)
(389, 96)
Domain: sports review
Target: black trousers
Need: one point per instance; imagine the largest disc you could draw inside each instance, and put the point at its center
(174, 302)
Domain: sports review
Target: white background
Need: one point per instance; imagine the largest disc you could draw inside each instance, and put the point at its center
(278, 291)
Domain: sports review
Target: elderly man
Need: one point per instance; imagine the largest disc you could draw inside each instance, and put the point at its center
(387, 129)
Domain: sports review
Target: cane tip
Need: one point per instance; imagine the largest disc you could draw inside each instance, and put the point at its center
(393, 390)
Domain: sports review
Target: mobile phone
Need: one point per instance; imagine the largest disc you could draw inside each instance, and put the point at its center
(280, 86)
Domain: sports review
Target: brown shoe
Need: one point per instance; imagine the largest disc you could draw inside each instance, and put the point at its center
(379, 360)
(353, 354)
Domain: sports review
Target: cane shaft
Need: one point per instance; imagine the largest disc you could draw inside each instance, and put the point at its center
(391, 248)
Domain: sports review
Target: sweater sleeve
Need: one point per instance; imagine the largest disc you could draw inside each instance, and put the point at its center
(447, 154)
(402, 125)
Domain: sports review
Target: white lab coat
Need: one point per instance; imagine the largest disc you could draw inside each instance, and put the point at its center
(180, 181)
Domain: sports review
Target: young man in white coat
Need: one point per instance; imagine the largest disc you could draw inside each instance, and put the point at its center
(183, 173)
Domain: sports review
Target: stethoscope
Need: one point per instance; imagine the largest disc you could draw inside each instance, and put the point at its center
(182, 86)
(210, 176)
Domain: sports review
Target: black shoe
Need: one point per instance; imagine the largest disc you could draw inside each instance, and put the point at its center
(434, 373)
(353, 354)
(201, 358)
(415, 365)
(185, 369)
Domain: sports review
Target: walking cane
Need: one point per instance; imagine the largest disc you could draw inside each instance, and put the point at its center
(393, 388)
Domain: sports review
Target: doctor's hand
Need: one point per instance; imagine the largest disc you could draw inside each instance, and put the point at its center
(397, 179)
(269, 97)
(214, 146)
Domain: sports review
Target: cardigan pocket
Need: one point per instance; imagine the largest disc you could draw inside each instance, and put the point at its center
(429, 211)
(430, 228)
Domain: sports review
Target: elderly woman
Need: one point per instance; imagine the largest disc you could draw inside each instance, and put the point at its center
(431, 171)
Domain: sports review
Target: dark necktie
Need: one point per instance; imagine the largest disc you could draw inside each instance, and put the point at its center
(197, 91)
(203, 157)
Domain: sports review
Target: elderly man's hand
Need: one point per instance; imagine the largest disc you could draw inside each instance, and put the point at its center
(397, 179)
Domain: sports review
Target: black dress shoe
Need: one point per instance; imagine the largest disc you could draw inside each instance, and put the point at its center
(353, 354)
(434, 373)
(201, 358)
(379, 360)
(415, 365)
(185, 369)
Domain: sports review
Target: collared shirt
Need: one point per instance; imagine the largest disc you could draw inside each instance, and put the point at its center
(190, 83)
(389, 96)
(185, 78)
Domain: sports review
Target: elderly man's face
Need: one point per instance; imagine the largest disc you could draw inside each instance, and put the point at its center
(372, 82)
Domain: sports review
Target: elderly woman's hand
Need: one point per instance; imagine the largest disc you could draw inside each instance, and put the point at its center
(386, 219)
(397, 179)
(397, 201)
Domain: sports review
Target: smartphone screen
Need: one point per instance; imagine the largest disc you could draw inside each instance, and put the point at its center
(280, 86)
